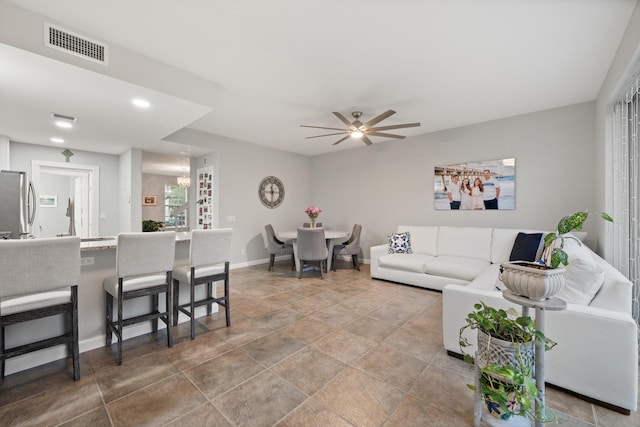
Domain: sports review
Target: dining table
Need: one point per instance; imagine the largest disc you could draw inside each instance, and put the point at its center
(330, 235)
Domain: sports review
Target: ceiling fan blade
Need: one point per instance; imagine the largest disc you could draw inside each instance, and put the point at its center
(406, 125)
(366, 140)
(327, 134)
(378, 118)
(340, 140)
(386, 135)
(343, 119)
(320, 127)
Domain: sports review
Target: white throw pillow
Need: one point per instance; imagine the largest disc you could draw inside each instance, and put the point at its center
(583, 277)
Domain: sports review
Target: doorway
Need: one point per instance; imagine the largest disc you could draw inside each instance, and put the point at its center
(78, 182)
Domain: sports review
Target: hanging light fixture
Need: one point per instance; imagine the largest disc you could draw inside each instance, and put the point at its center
(184, 181)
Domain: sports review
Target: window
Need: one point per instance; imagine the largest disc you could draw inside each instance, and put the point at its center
(626, 194)
(175, 206)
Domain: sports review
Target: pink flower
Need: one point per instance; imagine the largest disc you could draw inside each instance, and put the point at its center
(313, 211)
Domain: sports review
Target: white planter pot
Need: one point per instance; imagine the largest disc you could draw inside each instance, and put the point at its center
(493, 350)
(534, 281)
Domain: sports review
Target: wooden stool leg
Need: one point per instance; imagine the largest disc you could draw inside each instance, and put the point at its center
(109, 306)
(75, 353)
(120, 327)
(176, 300)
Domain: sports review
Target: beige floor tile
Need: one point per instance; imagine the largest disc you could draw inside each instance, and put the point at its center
(370, 328)
(359, 398)
(205, 415)
(309, 369)
(413, 412)
(307, 330)
(272, 348)
(344, 346)
(446, 390)
(313, 414)
(261, 401)
(95, 418)
(157, 405)
(53, 406)
(190, 353)
(117, 381)
(223, 373)
(335, 315)
(397, 369)
(422, 344)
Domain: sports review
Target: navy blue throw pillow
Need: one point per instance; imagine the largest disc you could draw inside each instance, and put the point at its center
(526, 247)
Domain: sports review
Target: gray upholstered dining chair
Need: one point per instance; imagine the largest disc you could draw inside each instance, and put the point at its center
(40, 279)
(144, 267)
(209, 256)
(312, 248)
(350, 248)
(277, 247)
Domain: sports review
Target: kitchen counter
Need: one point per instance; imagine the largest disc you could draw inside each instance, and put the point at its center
(98, 262)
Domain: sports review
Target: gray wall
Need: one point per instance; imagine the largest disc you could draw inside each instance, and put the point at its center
(22, 154)
(238, 168)
(154, 184)
(53, 220)
(391, 183)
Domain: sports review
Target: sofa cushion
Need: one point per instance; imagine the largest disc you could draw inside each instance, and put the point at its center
(455, 267)
(424, 239)
(405, 262)
(527, 247)
(467, 242)
(583, 277)
(502, 241)
(400, 243)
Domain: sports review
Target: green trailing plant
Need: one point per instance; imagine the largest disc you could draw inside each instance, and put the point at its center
(510, 387)
(554, 255)
(151, 225)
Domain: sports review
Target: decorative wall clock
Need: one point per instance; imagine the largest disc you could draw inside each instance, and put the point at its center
(271, 192)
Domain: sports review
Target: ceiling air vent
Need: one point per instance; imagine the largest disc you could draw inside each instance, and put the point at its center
(75, 44)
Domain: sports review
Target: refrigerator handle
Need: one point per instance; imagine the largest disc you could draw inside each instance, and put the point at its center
(31, 202)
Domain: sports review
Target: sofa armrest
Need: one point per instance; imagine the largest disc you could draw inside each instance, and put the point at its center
(374, 255)
(597, 351)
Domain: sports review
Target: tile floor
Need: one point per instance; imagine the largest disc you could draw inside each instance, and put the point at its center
(344, 351)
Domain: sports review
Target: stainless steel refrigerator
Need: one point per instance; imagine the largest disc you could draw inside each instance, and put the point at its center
(17, 205)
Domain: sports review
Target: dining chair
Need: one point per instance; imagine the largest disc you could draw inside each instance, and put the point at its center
(308, 224)
(209, 255)
(349, 248)
(40, 279)
(312, 248)
(277, 247)
(144, 266)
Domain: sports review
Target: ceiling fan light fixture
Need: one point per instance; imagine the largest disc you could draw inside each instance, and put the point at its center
(356, 134)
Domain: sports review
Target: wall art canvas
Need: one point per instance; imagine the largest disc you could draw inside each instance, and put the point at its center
(484, 185)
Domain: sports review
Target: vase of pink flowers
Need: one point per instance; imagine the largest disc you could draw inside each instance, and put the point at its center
(313, 212)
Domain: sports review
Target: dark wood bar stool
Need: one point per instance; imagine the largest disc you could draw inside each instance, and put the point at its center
(144, 265)
(39, 278)
(209, 254)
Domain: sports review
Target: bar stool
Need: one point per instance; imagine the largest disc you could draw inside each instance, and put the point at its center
(39, 278)
(209, 254)
(144, 264)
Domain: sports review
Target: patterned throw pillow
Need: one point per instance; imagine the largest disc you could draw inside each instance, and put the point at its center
(400, 243)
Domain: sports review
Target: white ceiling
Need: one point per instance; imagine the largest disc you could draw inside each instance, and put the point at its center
(281, 63)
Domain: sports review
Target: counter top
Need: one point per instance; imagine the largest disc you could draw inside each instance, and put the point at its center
(111, 242)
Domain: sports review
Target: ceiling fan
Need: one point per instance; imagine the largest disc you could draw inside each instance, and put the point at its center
(363, 131)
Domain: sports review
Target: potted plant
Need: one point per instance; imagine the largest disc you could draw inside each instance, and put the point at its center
(505, 358)
(543, 279)
(151, 225)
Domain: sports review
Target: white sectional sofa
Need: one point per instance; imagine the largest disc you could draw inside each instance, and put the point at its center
(597, 352)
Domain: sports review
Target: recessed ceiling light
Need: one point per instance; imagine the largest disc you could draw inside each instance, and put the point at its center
(140, 103)
(57, 140)
(62, 121)
(64, 125)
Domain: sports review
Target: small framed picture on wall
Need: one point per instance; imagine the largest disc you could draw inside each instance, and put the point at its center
(149, 200)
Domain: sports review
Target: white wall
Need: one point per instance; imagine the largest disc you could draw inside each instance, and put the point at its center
(22, 154)
(54, 220)
(391, 183)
